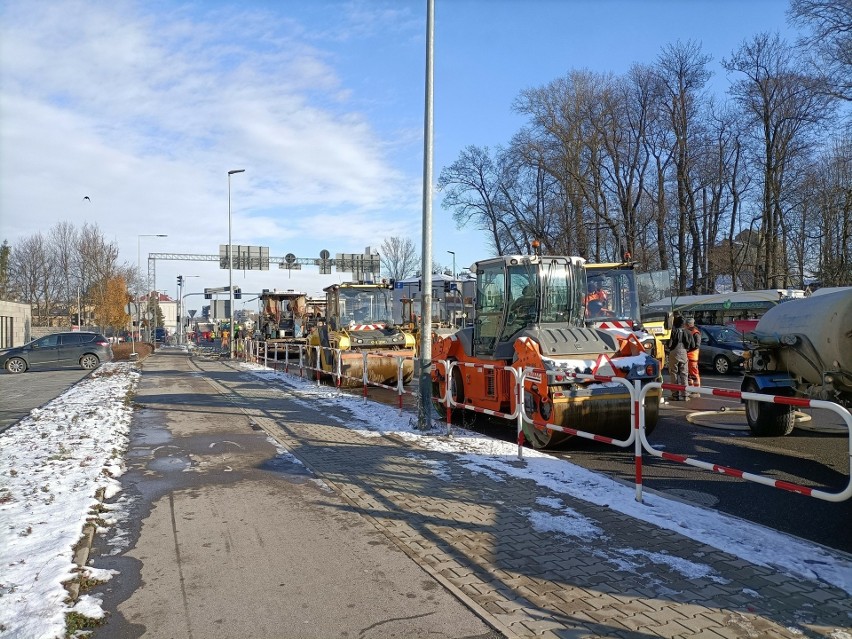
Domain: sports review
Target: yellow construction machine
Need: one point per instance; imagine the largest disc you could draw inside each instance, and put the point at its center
(614, 303)
(359, 320)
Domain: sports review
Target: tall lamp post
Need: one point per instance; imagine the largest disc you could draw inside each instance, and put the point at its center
(139, 266)
(453, 253)
(231, 266)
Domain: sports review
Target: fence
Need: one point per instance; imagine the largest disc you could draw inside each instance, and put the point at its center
(639, 395)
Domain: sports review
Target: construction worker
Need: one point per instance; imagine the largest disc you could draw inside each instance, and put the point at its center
(525, 305)
(680, 342)
(595, 299)
(692, 355)
(225, 341)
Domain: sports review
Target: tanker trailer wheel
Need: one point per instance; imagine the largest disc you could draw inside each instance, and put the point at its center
(767, 420)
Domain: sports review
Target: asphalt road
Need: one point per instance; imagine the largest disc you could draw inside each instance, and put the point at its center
(22, 392)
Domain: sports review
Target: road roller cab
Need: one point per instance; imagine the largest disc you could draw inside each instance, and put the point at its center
(358, 321)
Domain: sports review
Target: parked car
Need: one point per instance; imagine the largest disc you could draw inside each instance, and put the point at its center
(721, 349)
(77, 348)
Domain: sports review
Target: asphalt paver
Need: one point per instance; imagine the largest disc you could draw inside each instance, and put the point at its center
(249, 513)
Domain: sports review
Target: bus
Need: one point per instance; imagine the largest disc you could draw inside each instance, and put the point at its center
(741, 309)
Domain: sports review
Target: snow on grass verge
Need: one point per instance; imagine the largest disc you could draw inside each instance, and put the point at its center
(54, 462)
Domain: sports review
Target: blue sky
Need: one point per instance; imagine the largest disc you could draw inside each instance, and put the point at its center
(145, 106)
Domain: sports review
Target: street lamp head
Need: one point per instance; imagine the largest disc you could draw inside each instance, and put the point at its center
(231, 172)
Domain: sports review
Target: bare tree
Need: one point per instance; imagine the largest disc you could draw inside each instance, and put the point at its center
(63, 242)
(564, 140)
(473, 190)
(783, 105)
(399, 257)
(34, 276)
(6, 290)
(97, 262)
(830, 38)
(682, 69)
(823, 235)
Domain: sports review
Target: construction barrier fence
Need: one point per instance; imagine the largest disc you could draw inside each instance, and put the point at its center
(310, 358)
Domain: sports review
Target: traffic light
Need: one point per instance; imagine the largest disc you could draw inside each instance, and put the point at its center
(238, 293)
(180, 280)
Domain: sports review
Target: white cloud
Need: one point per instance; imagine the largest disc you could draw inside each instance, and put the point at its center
(146, 112)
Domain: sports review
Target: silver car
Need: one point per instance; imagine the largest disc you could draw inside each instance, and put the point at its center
(77, 348)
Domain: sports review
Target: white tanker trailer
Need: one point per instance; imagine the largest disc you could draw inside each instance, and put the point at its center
(802, 348)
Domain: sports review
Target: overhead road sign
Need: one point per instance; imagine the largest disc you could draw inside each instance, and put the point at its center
(246, 258)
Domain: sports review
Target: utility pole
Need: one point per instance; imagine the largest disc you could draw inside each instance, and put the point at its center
(424, 413)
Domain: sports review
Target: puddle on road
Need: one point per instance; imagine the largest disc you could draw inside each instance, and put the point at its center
(169, 464)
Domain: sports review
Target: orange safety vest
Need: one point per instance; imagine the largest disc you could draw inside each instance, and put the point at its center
(693, 354)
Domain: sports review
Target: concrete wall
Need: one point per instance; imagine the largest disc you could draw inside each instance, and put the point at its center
(15, 324)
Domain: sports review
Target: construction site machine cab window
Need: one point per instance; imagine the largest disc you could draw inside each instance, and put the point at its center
(612, 295)
(513, 294)
(361, 305)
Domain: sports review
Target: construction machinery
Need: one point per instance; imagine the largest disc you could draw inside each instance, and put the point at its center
(284, 320)
(530, 312)
(359, 321)
(616, 292)
(802, 348)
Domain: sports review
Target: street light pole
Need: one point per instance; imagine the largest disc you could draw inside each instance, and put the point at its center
(231, 267)
(453, 253)
(139, 267)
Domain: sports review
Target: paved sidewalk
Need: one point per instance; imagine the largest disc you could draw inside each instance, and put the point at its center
(470, 532)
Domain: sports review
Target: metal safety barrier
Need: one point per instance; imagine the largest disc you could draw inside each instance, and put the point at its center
(450, 403)
(635, 408)
(335, 356)
(846, 493)
(638, 397)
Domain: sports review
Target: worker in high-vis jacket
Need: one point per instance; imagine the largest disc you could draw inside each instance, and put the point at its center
(692, 355)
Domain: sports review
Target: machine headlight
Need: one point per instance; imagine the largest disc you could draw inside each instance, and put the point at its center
(738, 353)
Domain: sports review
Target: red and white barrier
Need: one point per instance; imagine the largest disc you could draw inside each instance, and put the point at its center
(638, 394)
(843, 495)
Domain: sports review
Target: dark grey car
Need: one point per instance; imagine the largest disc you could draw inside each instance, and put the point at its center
(77, 348)
(721, 349)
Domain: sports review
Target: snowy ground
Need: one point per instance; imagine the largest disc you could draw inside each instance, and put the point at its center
(55, 461)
